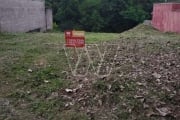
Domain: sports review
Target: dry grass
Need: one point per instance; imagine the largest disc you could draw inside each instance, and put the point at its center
(144, 83)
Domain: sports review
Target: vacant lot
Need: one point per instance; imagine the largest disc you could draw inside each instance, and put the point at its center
(36, 81)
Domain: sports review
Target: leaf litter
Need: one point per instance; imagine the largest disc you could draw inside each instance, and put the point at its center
(146, 83)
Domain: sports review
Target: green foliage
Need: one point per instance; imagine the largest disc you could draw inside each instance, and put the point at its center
(135, 13)
(48, 3)
(67, 16)
(55, 27)
(100, 15)
(100, 86)
(91, 19)
(113, 20)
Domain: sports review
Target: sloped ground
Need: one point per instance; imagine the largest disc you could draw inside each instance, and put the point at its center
(144, 82)
(36, 82)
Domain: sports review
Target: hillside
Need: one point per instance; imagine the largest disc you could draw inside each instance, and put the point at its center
(36, 81)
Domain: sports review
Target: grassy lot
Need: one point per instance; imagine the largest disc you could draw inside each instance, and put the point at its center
(31, 68)
(36, 82)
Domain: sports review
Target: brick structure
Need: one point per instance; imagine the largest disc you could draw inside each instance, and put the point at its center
(166, 17)
(24, 16)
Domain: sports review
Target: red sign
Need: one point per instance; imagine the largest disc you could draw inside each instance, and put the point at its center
(75, 38)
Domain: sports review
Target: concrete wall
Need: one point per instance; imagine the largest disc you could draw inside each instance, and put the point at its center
(22, 15)
(49, 19)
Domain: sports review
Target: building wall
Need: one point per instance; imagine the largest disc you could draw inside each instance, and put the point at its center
(166, 17)
(22, 15)
(49, 19)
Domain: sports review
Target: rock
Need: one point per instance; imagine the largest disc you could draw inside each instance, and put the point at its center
(156, 75)
(164, 111)
(69, 90)
(30, 70)
(141, 84)
(80, 86)
(147, 22)
(46, 81)
(69, 104)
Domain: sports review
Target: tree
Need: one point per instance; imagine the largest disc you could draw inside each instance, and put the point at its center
(114, 20)
(134, 11)
(68, 14)
(100, 15)
(91, 19)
